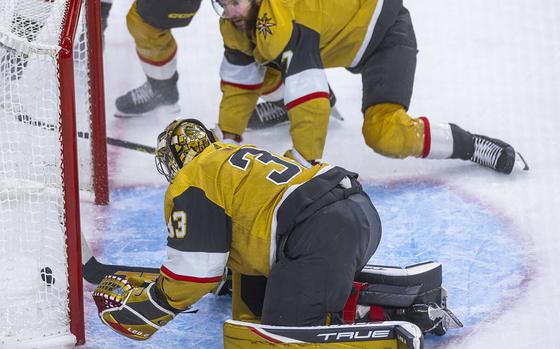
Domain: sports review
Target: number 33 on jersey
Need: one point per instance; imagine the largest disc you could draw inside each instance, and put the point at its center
(199, 205)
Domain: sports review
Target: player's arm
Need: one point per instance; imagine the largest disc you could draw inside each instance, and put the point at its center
(197, 251)
(306, 92)
(241, 80)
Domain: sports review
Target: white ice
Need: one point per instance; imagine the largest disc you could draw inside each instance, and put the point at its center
(492, 67)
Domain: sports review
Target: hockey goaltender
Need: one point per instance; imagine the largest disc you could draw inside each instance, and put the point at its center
(296, 239)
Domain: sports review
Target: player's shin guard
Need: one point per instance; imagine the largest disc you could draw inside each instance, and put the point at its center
(382, 335)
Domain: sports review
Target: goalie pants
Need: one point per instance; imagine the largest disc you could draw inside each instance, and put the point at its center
(313, 275)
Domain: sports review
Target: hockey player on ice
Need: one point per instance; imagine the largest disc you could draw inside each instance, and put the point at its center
(150, 25)
(294, 238)
(373, 38)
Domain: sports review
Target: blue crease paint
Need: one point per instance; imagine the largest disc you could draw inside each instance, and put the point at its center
(483, 263)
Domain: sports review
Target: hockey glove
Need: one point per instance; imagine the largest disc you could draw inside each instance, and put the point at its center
(131, 311)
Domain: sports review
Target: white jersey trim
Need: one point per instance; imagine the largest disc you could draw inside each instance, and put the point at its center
(249, 75)
(274, 224)
(305, 83)
(274, 96)
(196, 264)
(369, 34)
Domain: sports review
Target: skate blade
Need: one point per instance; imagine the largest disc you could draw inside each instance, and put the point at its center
(520, 162)
(450, 320)
(445, 316)
(336, 114)
(164, 109)
(278, 125)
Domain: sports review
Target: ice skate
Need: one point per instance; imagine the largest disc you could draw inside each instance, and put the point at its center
(153, 96)
(496, 154)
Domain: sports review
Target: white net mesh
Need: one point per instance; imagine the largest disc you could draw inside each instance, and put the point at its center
(33, 296)
(83, 105)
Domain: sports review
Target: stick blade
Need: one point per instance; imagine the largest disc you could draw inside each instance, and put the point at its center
(94, 271)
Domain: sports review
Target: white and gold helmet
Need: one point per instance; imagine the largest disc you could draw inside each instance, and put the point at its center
(180, 142)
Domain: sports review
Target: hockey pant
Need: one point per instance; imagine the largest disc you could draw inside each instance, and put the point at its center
(150, 23)
(313, 275)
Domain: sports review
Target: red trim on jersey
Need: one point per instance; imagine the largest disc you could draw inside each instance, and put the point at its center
(157, 63)
(260, 334)
(178, 277)
(306, 98)
(276, 87)
(427, 137)
(241, 86)
(376, 313)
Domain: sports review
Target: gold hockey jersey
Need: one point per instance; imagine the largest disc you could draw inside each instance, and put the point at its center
(299, 38)
(221, 210)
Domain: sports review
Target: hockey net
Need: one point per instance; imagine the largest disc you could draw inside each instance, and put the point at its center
(50, 87)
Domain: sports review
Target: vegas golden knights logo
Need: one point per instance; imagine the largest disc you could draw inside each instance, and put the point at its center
(264, 25)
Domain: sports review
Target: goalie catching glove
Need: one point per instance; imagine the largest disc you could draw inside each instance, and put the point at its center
(135, 312)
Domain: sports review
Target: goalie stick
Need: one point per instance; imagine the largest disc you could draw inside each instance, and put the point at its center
(94, 271)
(26, 119)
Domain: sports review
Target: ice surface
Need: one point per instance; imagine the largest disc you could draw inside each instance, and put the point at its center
(490, 67)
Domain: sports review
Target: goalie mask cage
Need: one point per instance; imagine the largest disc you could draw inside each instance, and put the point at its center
(51, 87)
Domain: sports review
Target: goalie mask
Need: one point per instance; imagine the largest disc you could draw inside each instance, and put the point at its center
(180, 142)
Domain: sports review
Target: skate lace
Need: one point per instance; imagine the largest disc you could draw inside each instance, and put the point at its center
(269, 111)
(142, 94)
(486, 152)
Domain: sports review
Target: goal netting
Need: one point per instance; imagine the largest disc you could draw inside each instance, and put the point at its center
(45, 95)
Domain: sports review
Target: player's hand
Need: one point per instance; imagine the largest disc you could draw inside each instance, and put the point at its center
(128, 310)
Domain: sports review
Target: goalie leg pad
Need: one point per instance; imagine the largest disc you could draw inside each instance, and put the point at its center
(413, 293)
(385, 335)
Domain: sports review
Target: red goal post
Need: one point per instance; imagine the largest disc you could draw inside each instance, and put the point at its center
(69, 144)
(51, 87)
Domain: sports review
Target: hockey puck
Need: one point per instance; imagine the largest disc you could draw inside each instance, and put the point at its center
(47, 276)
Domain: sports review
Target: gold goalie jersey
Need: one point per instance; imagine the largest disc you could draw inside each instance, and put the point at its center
(299, 38)
(220, 209)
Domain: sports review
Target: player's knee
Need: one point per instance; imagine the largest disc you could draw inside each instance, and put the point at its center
(140, 30)
(133, 20)
(389, 131)
(152, 43)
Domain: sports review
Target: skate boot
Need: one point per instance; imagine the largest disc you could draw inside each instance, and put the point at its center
(268, 114)
(154, 95)
(493, 153)
(488, 152)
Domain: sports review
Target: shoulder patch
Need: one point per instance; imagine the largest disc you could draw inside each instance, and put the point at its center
(274, 28)
(264, 25)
